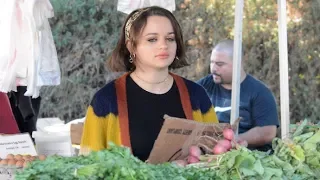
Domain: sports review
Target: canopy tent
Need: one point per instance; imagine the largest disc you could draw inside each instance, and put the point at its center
(127, 6)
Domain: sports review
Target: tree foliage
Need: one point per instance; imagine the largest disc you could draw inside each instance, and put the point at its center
(86, 31)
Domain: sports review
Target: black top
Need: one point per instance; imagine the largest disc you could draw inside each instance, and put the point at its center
(145, 113)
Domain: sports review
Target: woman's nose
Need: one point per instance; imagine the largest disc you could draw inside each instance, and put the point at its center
(163, 44)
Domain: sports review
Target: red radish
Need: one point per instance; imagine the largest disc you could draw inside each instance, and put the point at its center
(225, 143)
(181, 163)
(228, 134)
(219, 149)
(195, 151)
(192, 159)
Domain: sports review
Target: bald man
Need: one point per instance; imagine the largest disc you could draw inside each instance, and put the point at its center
(257, 103)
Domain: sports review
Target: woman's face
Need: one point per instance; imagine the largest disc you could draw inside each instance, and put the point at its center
(156, 46)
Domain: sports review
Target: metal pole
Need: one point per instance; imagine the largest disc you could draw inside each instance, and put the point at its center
(237, 58)
(283, 67)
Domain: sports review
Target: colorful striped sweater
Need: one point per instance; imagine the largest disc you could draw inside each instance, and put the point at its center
(107, 116)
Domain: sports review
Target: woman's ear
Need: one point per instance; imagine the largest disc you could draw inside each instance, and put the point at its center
(130, 47)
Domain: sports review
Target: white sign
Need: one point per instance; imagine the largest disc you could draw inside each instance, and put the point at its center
(16, 144)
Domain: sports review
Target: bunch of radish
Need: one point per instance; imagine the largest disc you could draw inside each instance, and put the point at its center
(225, 144)
(193, 157)
(221, 146)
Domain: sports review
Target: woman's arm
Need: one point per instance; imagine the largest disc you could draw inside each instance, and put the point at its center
(94, 132)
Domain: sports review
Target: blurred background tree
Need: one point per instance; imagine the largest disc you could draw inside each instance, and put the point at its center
(86, 31)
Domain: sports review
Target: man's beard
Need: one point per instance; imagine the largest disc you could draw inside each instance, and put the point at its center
(217, 75)
(222, 80)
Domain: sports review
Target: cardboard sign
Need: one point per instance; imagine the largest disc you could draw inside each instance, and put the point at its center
(16, 144)
(177, 135)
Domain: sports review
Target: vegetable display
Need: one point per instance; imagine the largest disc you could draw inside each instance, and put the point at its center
(116, 163)
(296, 158)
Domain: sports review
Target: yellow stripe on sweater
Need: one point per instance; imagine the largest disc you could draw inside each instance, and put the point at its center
(98, 131)
(113, 130)
(208, 117)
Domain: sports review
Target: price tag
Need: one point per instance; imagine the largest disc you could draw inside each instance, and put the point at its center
(16, 144)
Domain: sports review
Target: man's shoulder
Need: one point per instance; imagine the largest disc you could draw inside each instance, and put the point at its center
(205, 80)
(260, 92)
(255, 84)
(207, 83)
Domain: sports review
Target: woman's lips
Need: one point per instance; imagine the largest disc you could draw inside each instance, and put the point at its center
(163, 55)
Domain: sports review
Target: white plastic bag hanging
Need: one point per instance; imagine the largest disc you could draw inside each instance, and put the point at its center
(47, 70)
(127, 6)
(28, 55)
(16, 46)
(6, 16)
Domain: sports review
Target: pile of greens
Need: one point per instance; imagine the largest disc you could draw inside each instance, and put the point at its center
(115, 163)
(296, 158)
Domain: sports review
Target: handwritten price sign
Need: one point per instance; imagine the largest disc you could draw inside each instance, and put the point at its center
(16, 144)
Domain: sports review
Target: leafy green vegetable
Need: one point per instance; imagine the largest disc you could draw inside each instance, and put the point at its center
(300, 128)
(302, 138)
(311, 143)
(116, 163)
(296, 159)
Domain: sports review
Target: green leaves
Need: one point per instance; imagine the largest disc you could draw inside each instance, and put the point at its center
(116, 163)
(290, 160)
(300, 128)
(311, 143)
(258, 167)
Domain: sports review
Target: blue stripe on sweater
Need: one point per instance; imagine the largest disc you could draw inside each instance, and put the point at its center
(199, 98)
(104, 101)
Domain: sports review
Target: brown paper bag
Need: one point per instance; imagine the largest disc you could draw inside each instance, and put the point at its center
(76, 133)
(177, 135)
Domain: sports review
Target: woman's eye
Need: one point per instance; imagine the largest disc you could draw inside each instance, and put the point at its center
(152, 40)
(171, 39)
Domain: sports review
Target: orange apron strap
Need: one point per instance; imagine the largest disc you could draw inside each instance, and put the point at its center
(120, 85)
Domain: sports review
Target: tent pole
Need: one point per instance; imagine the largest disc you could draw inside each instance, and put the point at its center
(237, 58)
(283, 68)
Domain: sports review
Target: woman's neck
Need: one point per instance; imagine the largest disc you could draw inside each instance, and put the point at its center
(157, 82)
(152, 77)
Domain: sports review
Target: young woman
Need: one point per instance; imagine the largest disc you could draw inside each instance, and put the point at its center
(129, 110)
